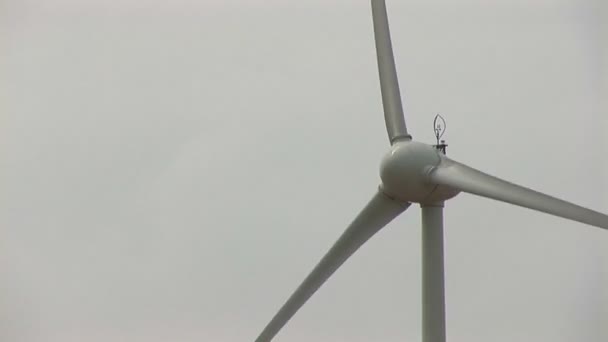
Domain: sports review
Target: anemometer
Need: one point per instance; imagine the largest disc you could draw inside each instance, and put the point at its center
(439, 127)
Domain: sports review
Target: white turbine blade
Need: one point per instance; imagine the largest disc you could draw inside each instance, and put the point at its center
(464, 178)
(378, 212)
(389, 85)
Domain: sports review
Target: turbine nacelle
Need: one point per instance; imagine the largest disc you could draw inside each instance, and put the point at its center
(404, 172)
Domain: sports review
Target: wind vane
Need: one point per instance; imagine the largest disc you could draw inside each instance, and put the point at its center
(439, 126)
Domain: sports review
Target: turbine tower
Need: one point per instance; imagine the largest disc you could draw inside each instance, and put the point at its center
(414, 172)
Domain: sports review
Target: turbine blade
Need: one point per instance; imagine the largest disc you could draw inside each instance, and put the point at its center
(389, 85)
(461, 177)
(378, 212)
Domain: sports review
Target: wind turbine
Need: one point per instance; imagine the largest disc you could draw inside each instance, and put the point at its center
(414, 172)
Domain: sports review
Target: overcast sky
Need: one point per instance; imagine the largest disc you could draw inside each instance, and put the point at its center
(170, 171)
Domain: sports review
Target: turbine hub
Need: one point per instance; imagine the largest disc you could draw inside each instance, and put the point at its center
(403, 172)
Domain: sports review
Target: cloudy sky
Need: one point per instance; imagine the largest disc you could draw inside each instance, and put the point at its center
(170, 171)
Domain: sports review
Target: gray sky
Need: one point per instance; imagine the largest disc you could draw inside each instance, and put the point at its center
(172, 171)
